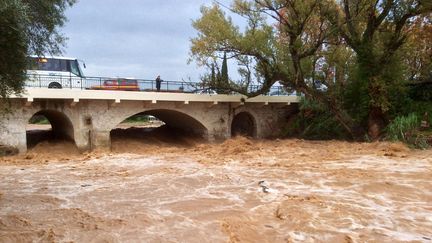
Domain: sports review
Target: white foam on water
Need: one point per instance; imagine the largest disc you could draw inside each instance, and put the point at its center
(159, 189)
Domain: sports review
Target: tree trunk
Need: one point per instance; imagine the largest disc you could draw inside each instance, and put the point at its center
(376, 123)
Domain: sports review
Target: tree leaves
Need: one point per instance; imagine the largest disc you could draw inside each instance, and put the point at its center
(305, 44)
(27, 27)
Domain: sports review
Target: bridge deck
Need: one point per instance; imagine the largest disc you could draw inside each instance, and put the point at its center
(117, 96)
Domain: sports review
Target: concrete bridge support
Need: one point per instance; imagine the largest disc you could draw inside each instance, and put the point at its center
(89, 122)
(11, 130)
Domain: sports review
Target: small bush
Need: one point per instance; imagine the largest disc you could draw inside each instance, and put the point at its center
(401, 126)
(39, 119)
(407, 130)
(137, 119)
(315, 122)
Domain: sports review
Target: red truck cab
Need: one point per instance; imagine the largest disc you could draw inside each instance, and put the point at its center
(118, 84)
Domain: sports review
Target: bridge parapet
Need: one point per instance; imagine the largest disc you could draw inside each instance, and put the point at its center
(131, 84)
(117, 96)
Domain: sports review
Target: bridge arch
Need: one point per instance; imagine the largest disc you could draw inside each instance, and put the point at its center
(244, 123)
(179, 120)
(173, 119)
(61, 124)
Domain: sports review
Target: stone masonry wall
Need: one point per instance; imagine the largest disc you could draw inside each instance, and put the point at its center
(93, 120)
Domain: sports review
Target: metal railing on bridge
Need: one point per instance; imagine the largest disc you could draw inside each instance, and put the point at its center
(129, 84)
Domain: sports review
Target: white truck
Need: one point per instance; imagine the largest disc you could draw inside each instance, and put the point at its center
(55, 72)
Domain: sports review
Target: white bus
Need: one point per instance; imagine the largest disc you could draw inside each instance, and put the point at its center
(54, 72)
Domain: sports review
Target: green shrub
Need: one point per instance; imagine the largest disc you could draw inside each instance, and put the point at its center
(39, 119)
(314, 121)
(407, 129)
(137, 119)
(398, 129)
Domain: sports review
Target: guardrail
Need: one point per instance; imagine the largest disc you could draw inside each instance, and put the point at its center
(103, 83)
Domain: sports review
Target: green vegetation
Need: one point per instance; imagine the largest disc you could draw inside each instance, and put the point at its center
(359, 63)
(139, 118)
(408, 130)
(223, 80)
(39, 119)
(27, 27)
(314, 122)
(401, 127)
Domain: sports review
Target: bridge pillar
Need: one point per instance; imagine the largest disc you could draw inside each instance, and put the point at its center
(218, 134)
(82, 139)
(14, 136)
(100, 139)
(12, 128)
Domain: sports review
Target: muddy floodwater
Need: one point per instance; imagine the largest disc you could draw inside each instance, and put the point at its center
(240, 190)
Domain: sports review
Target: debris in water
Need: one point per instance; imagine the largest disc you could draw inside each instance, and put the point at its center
(263, 185)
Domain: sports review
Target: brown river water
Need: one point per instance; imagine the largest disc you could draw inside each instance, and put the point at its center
(240, 190)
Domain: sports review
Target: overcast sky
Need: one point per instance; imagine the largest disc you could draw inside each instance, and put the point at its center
(134, 38)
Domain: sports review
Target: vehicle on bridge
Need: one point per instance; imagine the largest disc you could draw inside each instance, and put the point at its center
(54, 72)
(118, 84)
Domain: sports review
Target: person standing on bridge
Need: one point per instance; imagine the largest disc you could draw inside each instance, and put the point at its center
(158, 83)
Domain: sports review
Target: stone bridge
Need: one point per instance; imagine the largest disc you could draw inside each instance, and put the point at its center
(88, 116)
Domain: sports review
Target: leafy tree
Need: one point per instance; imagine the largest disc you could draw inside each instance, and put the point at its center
(219, 80)
(224, 72)
(27, 27)
(376, 30)
(417, 53)
(350, 47)
(213, 73)
(12, 47)
(281, 43)
(224, 79)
